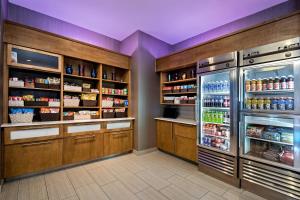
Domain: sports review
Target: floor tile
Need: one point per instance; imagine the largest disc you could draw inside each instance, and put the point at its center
(79, 177)
(102, 176)
(153, 180)
(212, 196)
(59, 186)
(33, 188)
(132, 182)
(10, 191)
(151, 194)
(91, 192)
(188, 186)
(175, 193)
(117, 191)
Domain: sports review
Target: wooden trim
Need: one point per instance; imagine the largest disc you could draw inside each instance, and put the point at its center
(33, 38)
(267, 32)
(26, 66)
(5, 86)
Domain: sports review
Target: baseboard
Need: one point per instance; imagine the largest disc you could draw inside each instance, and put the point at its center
(145, 151)
(1, 184)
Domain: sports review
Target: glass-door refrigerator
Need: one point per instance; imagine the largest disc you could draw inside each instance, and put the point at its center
(270, 119)
(217, 113)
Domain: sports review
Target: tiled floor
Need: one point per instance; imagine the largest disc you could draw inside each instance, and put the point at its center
(153, 176)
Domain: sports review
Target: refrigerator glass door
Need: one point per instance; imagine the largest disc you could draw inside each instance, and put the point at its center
(215, 98)
(271, 138)
(271, 87)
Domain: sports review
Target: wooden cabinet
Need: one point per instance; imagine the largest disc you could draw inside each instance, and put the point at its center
(178, 139)
(82, 142)
(117, 142)
(185, 141)
(82, 148)
(165, 136)
(32, 157)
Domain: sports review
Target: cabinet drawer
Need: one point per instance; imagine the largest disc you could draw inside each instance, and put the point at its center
(82, 148)
(118, 126)
(31, 134)
(83, 129)
(188, 131)
(117, 142)
(21, 159)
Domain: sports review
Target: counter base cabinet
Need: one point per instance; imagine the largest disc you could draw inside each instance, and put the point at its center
(32, 157)
(165, 136)
(82, 148)
(178, 139)
(117, 142)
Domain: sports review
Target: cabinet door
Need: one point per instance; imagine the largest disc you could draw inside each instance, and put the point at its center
(185, 141)
(21, 159)
(82, 148)
(165, 136)
(117, 142)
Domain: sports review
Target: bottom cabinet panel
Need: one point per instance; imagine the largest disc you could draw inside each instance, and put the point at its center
(117, 142)
(21, 159)
(186, 148)
(82, 148)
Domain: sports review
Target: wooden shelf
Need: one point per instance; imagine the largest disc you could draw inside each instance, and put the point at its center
(82, 107)
(187, 104)
(112, 81)
(81, 77)
(80, 92)
(179, 93)
(121, 95)
(181, 81)
(33, 69)
(113, 107)
(27, 88)
(34, 106)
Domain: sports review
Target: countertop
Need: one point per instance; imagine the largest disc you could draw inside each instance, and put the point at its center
(64, 122)
(178, 120)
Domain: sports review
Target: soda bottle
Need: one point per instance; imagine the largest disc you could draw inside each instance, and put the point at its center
(221, 86)
(221, 101)
(221, 120)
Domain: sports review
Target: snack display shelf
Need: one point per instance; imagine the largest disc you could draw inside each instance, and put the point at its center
(82, 107)
(34, 106)
(82, 92)
(257, 111)
(179, 93)
(81, 77)
(28, 88)
(269, 122)
(113, 81)
(181, 81)
(121, 95)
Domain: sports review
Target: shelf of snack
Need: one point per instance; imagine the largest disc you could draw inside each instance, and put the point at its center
(81, 115)
(182, 100)
(216, 136)
(81, 101)
(274, 143)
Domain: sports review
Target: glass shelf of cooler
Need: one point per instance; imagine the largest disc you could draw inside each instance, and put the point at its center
(216, 108)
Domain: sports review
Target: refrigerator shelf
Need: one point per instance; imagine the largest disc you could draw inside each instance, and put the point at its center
(216, 123)
(272, 141)
(222, 137)
(256, 111)
(271, 92)
(269, 122)
(216, 108)
(216, 93)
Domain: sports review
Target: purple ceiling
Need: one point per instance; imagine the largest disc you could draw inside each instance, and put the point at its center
(169, 20)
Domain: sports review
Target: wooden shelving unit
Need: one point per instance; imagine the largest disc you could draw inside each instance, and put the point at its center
(56, 67)
(180, 77)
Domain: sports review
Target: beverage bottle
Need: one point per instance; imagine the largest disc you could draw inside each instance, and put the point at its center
(208, 87)
(221, 86)
(221, 101)
(226, 86)
(221, 120)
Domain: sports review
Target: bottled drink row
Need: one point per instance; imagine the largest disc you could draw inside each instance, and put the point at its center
(277, 83)
(267, 103)
(219, 143)
(216, 101)
(216, 86)
(216, 130)
(219, 117)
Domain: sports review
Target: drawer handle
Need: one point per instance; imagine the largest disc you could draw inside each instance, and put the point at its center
(119, 135)
(85, 137)
(36, 144)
